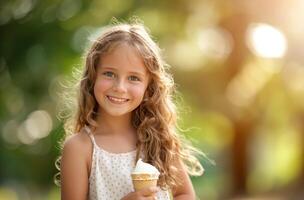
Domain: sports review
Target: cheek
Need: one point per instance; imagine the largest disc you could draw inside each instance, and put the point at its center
(102, 85)
(138, 91)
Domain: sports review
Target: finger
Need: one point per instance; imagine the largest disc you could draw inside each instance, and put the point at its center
(152, 198)
(149, 191)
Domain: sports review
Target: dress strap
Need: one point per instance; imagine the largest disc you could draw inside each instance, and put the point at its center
(88, 131)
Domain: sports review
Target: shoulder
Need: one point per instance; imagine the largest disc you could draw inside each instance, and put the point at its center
(77, 143)
(78, 147)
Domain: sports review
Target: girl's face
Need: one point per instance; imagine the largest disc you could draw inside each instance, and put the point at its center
(121, 81)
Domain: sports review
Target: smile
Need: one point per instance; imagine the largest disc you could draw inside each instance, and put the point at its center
(117, 100)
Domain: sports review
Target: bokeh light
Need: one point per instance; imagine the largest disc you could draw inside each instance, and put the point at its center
(266, 41)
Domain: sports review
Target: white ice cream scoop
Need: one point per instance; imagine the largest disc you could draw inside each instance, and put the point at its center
(144, 168)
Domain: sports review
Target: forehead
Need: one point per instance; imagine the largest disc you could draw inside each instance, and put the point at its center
(123, 57)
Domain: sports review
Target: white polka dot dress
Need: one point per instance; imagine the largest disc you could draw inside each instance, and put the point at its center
(110, 177)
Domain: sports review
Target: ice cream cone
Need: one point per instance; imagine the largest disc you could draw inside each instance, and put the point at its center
(144, 175)
(141, 181)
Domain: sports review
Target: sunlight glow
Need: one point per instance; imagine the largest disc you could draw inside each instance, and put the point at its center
(266, 41)
(215, 43)
(244, 87)
(38, 125)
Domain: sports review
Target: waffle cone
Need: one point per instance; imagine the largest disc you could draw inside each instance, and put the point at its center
(141, 181)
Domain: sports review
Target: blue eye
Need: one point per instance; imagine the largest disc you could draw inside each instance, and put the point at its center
(134, 78)
(109, 74)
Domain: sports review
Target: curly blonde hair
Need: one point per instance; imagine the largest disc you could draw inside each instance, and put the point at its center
(155, 119)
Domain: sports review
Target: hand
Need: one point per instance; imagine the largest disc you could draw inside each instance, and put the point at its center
(144, 194)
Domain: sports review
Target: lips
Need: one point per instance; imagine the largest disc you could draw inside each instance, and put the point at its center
(117, 100)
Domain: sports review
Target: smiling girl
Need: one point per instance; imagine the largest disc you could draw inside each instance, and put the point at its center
(125, 112)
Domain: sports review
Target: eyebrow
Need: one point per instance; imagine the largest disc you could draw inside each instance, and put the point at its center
(114, 69)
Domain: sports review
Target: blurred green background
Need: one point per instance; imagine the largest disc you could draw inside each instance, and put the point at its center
(238, 64)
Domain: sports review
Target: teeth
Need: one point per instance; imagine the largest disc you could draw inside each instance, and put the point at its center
(117, 99)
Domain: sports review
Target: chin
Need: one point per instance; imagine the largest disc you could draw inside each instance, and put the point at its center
(118, 113)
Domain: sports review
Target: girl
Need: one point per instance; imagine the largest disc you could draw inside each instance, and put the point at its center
(125, 112)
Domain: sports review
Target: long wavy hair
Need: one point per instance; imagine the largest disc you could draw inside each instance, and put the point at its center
(155, 119)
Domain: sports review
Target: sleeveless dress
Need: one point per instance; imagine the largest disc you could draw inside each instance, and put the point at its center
(110, 176)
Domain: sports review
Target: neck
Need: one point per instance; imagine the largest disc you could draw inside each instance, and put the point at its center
(114, 124)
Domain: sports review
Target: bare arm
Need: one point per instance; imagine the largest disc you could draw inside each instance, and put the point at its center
(74, 169)
(185, 190)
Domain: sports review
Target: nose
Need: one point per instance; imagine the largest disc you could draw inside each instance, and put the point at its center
(119, 86)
